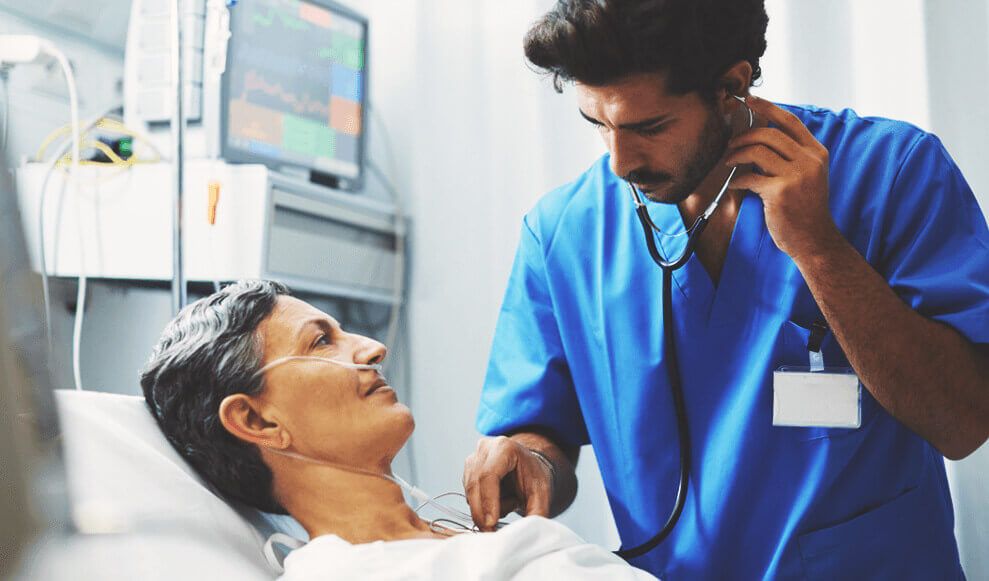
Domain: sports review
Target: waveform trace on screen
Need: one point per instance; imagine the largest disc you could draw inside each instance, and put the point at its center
(296, 83)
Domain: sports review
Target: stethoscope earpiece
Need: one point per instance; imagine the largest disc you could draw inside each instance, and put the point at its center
(747, 108)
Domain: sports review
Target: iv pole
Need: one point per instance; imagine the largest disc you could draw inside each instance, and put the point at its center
(178, 129)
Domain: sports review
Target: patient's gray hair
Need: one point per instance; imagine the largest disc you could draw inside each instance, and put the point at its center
(209, 351)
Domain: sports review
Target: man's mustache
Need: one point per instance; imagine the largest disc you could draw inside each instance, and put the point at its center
(641, 176)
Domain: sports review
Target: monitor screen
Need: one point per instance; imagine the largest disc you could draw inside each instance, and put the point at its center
(294, 87)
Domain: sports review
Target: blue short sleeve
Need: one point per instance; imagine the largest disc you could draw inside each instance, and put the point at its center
(528, 381)
(936, 244)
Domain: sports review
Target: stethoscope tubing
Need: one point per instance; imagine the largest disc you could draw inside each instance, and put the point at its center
(669, 345)
(676, 388)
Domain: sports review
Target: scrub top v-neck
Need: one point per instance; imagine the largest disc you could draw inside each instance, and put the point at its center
(578, 350)
(693, 282)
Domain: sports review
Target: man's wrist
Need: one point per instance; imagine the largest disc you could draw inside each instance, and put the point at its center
(824, 246)
(549, 466)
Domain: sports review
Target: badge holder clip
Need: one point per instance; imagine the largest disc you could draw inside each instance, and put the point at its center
(816, 395)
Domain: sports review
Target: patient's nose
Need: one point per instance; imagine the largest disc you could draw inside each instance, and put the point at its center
(371, 352)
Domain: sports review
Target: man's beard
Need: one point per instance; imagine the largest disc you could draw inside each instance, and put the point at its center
(710, 147)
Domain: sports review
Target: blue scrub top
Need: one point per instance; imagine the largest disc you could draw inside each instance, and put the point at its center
(578, 349)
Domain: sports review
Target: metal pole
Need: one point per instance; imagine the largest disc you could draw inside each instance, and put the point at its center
(178, 133)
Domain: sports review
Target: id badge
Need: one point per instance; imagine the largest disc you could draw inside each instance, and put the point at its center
(816, 396)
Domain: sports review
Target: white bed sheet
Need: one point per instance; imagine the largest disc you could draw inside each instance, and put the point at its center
(530, 549)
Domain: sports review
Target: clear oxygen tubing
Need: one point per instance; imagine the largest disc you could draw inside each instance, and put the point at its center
(456, 518)
(669, 345)
(461, 518)
(359, 366)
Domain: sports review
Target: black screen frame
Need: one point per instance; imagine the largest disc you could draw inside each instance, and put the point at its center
(238, 155)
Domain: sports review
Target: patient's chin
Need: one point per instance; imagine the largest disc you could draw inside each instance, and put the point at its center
(408, 421)
(385, 439)
(400, 427)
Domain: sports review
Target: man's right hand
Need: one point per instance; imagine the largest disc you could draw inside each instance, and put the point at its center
(502, 476)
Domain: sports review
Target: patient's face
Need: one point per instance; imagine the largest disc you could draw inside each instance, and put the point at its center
(333, 413)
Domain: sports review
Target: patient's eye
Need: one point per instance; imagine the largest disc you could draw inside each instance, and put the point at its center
(321, 341)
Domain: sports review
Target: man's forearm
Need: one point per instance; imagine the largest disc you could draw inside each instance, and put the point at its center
(922, 372)
(564, 461)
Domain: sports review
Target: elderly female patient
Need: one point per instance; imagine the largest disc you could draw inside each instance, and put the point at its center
(311, 438)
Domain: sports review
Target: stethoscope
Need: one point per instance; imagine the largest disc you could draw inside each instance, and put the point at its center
(676, 383)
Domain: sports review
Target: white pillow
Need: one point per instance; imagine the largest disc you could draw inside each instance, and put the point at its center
(123, 474)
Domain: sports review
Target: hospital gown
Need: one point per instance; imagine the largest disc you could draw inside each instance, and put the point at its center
(532, 548)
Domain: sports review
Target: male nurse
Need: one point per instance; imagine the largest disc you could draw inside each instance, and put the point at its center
(852, 240)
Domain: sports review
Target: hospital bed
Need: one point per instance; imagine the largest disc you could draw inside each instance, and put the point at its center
(141, 510)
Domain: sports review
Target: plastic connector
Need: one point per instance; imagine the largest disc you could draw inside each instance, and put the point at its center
(214, 198)
(23, 48)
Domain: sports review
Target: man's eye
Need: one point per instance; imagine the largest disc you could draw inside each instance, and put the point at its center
(654, 130)
(322, 341)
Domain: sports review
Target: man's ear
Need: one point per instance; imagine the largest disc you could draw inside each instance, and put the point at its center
(241, 415)
(735, 81)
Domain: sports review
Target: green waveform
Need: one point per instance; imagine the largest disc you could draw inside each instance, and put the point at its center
(286, 20)
(346, 50)
(308, 137)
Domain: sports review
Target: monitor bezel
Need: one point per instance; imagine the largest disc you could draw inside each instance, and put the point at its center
(239, 155)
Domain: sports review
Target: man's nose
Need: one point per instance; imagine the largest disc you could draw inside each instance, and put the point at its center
(625, 153)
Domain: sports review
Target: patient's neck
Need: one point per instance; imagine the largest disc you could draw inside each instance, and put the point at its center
(359, 508)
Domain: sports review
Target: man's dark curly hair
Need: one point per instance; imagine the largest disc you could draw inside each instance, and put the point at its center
(597, 42)
(207, 352)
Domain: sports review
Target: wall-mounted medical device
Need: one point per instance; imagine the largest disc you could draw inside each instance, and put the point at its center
(239, 221)
(277, 82)
(148, 75)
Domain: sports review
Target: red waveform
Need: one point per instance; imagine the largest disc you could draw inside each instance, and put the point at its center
(254, 82)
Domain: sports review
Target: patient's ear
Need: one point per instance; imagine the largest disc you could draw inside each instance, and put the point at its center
(240, 415)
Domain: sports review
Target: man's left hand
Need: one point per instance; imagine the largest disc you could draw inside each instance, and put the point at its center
(793, 179)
